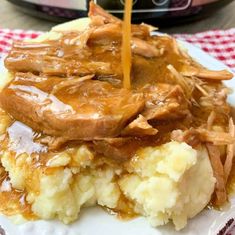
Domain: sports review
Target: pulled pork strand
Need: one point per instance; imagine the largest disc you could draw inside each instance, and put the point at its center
(230, 152)
(203, 73)
(214, 75)
(215, 137)
(218, 169)
(70, 82)
(211, 120)
(202, 135)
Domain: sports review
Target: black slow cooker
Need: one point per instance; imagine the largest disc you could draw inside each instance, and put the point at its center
(164, 12)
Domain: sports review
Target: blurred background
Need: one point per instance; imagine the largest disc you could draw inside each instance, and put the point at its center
(173, 16)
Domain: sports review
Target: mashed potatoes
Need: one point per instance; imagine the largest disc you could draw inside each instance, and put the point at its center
(169, 182)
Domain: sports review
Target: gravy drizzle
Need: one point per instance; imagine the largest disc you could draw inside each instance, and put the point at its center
(126, 45)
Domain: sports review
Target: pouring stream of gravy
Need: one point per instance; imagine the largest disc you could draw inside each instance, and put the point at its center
(126, 45)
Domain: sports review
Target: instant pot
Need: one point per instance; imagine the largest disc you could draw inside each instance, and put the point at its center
(164, 12)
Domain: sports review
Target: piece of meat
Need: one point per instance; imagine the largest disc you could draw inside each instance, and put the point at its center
(119, 149)
(56, 67)
(200, 135)
(143, 48)
(191, 137)
(58, 143)
(52, 142)
(215, 137)
(123, 148)
(139, 127)
(70, 82)
(165, 101)
(46, 60)
(96, 10)
(109, 33)
(70, 57)
(181, 81)
(80, 40)
(70, 43)
(217, 166)
(230, 152)
(87, 110)
(141, 31)
(211, 120)
(207, 74)
(100, 17)
(106, 34)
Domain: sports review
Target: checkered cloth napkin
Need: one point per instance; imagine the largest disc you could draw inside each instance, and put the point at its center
(218, 43)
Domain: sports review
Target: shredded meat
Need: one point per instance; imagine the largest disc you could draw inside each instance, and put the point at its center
(95, 10)
(71, 82)
(182, 81)
(93, 110)
(140, 47)
(139, 127)
(211, 120)
(230, 151)
(217, 166)
(53, 143)
(165, 102)
(120, 149)
(101, 17)
(201, 135)
(106, 33)
(55, 66)
(217, 138)
(191, 137)
(209, 74)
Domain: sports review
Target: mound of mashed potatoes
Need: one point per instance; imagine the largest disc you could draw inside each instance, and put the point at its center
(171, 182)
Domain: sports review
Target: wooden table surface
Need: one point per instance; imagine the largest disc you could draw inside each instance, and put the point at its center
(11, 18)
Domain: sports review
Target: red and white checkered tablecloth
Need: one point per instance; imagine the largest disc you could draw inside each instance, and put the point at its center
(218, 43)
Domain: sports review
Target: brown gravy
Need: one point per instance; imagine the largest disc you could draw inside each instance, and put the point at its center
(13, 201)
(126, 45)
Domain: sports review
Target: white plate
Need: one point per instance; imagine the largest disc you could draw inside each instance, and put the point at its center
(94, 221)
